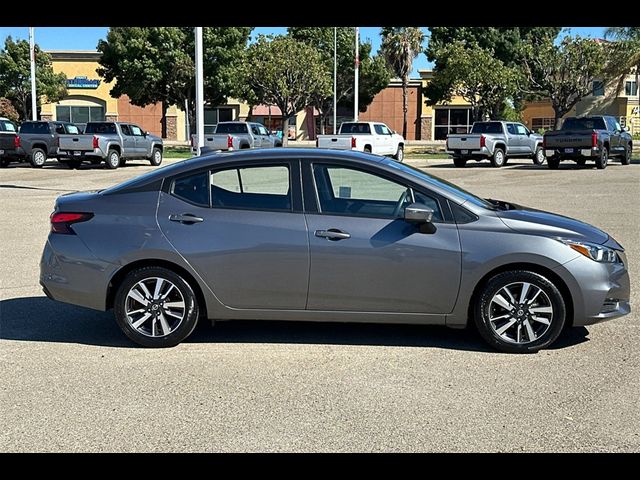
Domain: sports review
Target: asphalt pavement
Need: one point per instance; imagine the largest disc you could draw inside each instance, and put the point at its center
(72, 382)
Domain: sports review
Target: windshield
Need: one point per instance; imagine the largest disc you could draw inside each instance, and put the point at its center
(100, 128)
(445, 185)
(487, 127)
(584, 124)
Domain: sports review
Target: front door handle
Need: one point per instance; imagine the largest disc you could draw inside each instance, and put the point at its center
(187, 218)
(332, 234)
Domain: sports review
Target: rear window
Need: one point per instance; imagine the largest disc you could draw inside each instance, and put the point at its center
(7, 126)
(100, 128)
(355, 128)
(487, 127)
(72, 129)
(34, 127)
(231, 128)
(584, 124)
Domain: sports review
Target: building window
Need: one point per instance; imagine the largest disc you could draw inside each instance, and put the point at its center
(631, 88)
(79, 115)
(540, 123)
(451, 120)
(214, 115)
(598, 88)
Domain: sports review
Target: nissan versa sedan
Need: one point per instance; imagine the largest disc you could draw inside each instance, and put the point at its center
(325, 235)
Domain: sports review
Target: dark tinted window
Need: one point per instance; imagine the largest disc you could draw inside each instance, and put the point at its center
(125, 130)
(194, 189)
(231, 128)
(462, 215)
(487, 127)
(252, 188)
(34, 127)
(355, 128)
(611, 123)
(59, 128)
(511, 128)
(595, 123)
(100, 128)
(7, 126)
(598, 88)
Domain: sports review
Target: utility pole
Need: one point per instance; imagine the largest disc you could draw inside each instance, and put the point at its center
(187, 127)
(357, 68)
(199, 92)
(335, 76)
(32, 54)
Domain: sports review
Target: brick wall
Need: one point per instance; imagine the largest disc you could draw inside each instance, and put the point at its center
(387, 108)
(148, 118)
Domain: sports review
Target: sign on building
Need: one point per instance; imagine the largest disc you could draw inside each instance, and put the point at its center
(83, 82)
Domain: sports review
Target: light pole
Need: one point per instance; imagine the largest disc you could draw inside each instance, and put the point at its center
(335, 76)
(357, 67)
(199, 91)
(32, 54)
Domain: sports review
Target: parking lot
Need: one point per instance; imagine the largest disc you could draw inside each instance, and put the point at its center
(71, 381)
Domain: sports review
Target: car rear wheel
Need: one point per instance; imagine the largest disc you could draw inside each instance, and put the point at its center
(4, 163)
(156, 157)
(520, 312)
(539, 158)
(498, 159)
(156, 307)
(603, 159)
(626, 158)
(113, 159)
(459, 162)
(38, 158)
(553, 163)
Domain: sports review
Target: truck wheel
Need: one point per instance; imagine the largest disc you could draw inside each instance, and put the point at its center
(156, 157)
(538, 157)
(38, 158)
(601, 161)
(626, 158)
(113, 159)
(399, 156)
(553, 163)
(73, 164)
(498, 159)
(4, 163)
(459, 162)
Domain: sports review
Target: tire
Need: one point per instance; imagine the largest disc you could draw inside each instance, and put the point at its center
(626, 158)
(399, 156)
(367, 149)
(244, 146)
(113, 159)
(156, 157)
(581, 162)
(519, 332)
(603, 159)
(38, 158)
(538, 156)
(160, 328)
(73, 164)
(278, 145)
(553, 163)
(459, 162)
(4, 162)
(498, 159)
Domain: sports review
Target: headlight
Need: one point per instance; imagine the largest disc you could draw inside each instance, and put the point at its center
(595, 252)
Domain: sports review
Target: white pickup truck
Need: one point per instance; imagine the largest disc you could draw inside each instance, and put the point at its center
(370, 137)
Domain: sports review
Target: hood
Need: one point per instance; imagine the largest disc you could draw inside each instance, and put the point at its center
(538, 222)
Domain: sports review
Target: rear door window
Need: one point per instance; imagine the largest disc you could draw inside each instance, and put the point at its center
(511, 128)
(192, 188)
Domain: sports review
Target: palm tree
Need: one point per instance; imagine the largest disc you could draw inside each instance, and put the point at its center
(626, 55)
(400, 46)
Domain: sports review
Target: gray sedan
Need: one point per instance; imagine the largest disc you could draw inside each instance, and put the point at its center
(324, 235)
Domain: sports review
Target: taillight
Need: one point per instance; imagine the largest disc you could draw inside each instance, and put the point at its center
(353, 142)
(594, 140)
(95, 142)
(229, 141)
(61, 221)
(16, 141)
(483, 141)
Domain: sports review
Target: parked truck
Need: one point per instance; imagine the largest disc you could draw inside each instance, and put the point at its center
(111, 142)
(38, 140)
(596, 138)
(497, 141)
(8, 142)
(237, 136)
(370, 137)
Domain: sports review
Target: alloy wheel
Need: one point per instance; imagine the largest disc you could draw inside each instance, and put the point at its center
(155, 307)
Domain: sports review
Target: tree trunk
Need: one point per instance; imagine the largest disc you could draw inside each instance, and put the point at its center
(285, 130)
(558, 119)
(405, 105)
(163, 120)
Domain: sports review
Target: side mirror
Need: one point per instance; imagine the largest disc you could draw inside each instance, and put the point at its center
(146, 133)
(418, 213)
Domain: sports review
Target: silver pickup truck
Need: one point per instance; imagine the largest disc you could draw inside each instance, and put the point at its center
(496, 141)
(111, 142)
(237, 136)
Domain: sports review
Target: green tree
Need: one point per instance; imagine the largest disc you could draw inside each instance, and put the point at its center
(15, 76)
(475, 74)
(156, 64)
(374, 74)
(7, 110)
(284, 72)
(564, 72)
(625, 55)
(400, 46)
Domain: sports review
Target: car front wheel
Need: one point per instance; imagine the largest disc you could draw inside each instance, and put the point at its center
(520, 312)
(539, 158)
(156, 157)
(156, 307)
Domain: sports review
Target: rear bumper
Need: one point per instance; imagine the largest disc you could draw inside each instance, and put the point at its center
(572, 153)
(477, 153)
(81, 154)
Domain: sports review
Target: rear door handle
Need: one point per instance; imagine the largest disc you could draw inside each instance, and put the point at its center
(187, 218)
(332, 234)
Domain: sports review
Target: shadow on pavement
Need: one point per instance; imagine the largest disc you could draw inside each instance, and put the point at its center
(42, 320)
